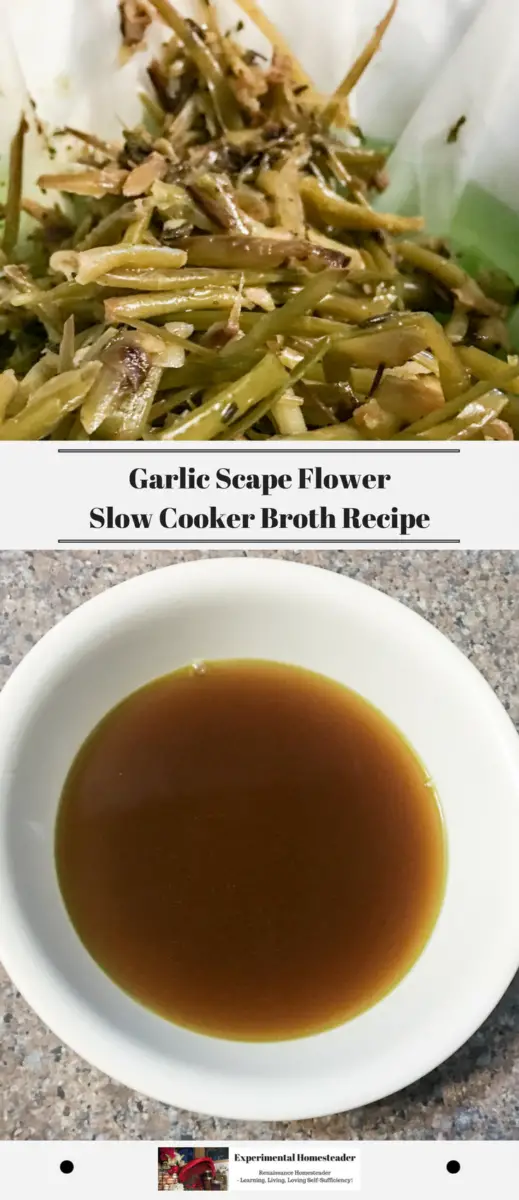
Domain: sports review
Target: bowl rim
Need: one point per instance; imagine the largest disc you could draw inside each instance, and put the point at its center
(84, 1029)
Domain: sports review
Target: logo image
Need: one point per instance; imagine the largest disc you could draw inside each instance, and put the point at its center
(193, 1168)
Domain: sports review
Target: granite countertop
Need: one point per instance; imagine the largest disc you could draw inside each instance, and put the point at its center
(49, 1093)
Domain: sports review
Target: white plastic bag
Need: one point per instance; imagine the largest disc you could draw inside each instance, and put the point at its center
(15, 101)
(457, 162)
(419, 41)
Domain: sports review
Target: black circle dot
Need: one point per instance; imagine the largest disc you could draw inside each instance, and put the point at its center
(453, 1166)
(66, 1166)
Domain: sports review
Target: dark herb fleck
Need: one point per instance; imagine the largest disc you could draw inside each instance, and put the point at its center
(453, 133)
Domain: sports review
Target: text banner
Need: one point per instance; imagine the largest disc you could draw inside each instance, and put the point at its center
(220, 495)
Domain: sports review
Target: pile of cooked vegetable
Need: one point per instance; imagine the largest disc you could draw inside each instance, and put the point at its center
(222, 272)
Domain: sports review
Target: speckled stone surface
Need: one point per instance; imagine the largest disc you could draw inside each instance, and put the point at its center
(49, 1093)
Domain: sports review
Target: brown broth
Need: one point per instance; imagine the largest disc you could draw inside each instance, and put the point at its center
(250, 850)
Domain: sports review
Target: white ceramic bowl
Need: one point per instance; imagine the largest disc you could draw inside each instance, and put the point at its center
(260, 608)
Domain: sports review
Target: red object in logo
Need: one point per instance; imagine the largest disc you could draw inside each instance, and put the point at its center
(192, 1174)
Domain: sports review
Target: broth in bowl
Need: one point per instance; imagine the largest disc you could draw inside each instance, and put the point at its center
(250, 850)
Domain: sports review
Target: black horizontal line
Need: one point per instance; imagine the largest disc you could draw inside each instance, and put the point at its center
(187, 542)
(223, 449)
